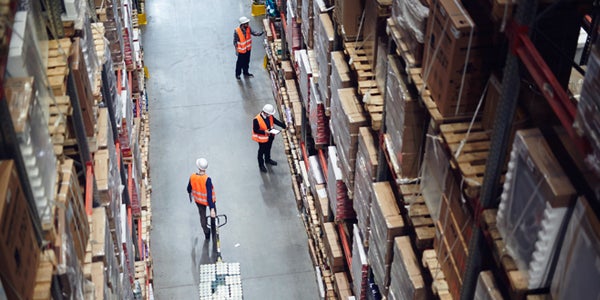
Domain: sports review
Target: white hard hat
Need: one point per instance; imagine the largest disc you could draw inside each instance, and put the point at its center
(244, 20)
(202, 163)
(269, 109)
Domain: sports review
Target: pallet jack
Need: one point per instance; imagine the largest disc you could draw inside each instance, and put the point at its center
(220, 280)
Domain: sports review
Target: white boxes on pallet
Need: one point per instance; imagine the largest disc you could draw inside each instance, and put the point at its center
(324, 37)
(533, 205)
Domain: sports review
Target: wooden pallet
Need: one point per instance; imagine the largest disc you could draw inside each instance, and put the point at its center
(474, 148)
(439, 286)
(511, 277)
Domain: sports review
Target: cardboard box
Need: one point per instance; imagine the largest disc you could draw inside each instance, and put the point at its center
(19, 248)
(348, 14)
(448, 37)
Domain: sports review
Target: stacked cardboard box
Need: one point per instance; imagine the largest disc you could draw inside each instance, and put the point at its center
(324, 37)
(109, 13)
(306, 26)
(406, 129)
(587, 109)
(406, 279)
(360, 268)
(340, 74)
(333, 248)
(366, 170)
(455, 40)
(341, 204)
(319, 123)
(386, 224)
(347, 117)
(348, 15)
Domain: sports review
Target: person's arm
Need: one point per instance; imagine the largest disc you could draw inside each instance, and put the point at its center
(209, 198)
(256, 127)
(235, 39)
(189, 189)
(279, 123)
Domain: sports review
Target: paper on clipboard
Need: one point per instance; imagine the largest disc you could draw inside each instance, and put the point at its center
(275, 131)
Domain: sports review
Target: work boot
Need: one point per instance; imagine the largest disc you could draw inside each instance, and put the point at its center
(272, 162)
(238, 77)
(263, 169)
(207, 235)
(249, 75)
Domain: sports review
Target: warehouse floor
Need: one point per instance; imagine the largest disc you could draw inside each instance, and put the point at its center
(198, 108)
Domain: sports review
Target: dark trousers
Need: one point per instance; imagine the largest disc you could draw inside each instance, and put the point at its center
(202, 213)
(264, 151)
(242, 63)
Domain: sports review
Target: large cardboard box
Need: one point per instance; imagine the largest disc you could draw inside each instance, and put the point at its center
(19, 249)
(347, 14)
(453, 40)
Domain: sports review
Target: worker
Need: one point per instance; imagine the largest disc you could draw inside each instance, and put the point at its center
(242, 41)
(202, 191)
(263, 132)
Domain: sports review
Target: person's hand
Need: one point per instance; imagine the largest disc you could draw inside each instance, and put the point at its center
(212, 213)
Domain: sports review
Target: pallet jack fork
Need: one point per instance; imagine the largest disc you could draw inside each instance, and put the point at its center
(220, 280)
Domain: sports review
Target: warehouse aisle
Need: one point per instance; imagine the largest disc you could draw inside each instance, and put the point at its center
(198, 108)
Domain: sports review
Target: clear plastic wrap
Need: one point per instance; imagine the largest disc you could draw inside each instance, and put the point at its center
(26, 57)
(411, 15)
(31, 128)
(363, 190)
(578, 267)
(588, 118)
(435, 170)
(533, 204)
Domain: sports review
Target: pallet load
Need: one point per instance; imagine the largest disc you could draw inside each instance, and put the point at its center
(347, 116)
(19, 248)
(359, 268)
(575, 277)
(386, 224)
(406, 279)
(533, 206)
(405, 132)
(456, 39)
(409, 18)
(34, 141)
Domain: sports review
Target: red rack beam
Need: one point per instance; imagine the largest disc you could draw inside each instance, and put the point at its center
(89, 187)
(305, 156)
(547, 83)
(323, 163)
(345, 245)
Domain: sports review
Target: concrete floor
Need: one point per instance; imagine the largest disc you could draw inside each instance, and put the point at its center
(198, 109)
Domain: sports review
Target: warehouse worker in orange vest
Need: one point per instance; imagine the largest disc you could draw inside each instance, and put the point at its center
(263, 132)
(242, 41)
(201, 190)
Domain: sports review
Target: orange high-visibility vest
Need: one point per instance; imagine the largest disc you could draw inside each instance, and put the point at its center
(259, 137)
(245, 42)
(199, 193)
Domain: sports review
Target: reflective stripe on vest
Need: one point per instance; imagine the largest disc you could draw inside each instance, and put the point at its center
(199, 192)
(245, 42)
(258, 137)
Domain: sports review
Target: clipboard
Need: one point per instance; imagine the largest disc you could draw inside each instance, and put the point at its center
(275, 131)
